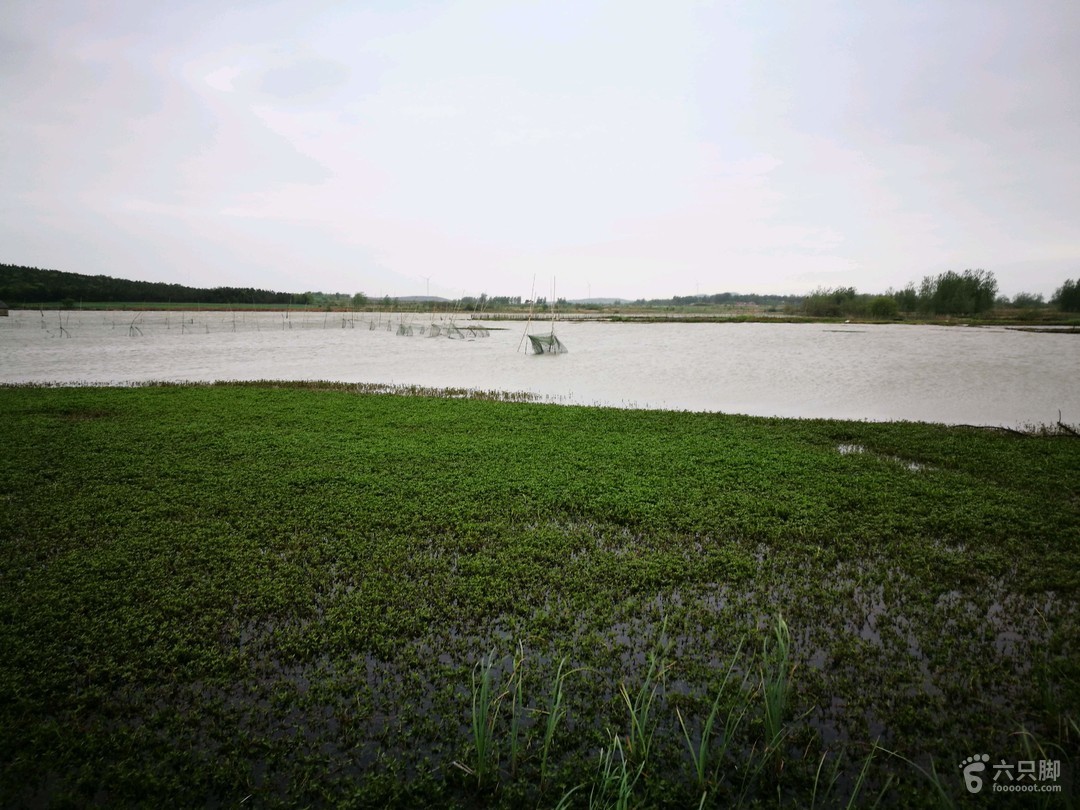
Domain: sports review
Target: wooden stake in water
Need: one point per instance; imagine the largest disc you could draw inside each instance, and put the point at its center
(532, 303)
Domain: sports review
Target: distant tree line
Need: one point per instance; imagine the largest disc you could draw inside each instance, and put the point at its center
(949, 293)
(972, 292)
(31, 285)
(22, 286)
(723, 299)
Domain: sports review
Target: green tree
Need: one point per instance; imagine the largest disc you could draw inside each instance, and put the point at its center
(952, 293)
(884, 306)
(825, 302)
(907, 299)
(1067, 296)
(359, 301)
(1028, 301)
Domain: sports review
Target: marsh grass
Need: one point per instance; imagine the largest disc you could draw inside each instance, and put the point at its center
(485, 712)
(940, 795)
(641, 705)
(706, 752)
(522, 734)
(776, 672)
(628, 773)
(517, 708)
(554, 715)
(617, 776)
(828, 795)
(1039, 749)
(832, 777)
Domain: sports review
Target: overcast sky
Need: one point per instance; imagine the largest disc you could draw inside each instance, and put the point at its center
(631, 149)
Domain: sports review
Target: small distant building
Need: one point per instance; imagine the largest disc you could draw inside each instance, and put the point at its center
(3, 310)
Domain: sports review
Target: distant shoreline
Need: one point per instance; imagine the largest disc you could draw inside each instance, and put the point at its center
(620, 314)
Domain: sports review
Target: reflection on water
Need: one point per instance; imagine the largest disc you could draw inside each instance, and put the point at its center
(878, 372)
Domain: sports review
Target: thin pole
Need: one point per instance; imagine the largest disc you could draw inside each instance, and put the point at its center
(532, 303)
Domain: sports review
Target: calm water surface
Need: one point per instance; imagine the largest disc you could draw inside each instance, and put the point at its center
(989, 376)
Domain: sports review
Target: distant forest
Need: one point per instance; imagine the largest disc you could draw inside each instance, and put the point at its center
(21, 286)
(29, 285)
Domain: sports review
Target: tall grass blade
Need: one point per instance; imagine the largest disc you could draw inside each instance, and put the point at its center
(517, 678)
(703, 752)
(941, 792)
(833, 777)
(862, 778)
(555, 712)
(642, 727)
(616, 780)
(484, 711)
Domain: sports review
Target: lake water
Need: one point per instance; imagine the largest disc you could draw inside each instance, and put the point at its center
(984, 376)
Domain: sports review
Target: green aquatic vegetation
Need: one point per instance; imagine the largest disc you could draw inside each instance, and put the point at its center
(280, 591)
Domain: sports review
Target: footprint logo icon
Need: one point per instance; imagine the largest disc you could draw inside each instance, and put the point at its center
(973, 766)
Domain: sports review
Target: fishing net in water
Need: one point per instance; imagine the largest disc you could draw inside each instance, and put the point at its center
(404, 330)
(454, 333)
(547, 344)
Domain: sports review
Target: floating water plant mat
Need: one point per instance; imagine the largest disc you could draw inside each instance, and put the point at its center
(300, 595)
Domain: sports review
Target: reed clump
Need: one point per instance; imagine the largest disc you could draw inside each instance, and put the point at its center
(728, 762)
